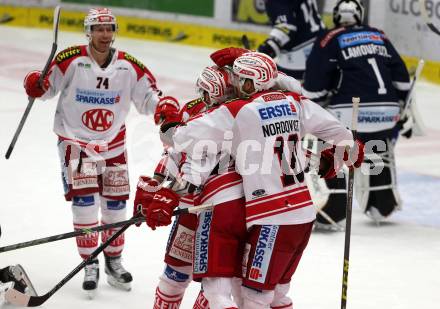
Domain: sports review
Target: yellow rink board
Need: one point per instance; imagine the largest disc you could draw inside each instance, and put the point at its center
(159, 30)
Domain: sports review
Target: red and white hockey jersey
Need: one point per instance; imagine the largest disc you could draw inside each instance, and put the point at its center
(218, 188)
(94, 101)
(263, 135)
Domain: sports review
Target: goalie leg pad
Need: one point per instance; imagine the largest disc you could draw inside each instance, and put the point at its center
(336, 203)
(378, 190)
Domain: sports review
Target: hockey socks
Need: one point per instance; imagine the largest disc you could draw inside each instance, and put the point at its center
(162, 300)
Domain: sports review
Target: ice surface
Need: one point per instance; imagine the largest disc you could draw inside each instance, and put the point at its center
(394, 266)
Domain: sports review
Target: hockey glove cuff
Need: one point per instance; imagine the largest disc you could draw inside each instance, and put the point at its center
(227, 56)
(145, 190)
(31, 85)
(161, 208)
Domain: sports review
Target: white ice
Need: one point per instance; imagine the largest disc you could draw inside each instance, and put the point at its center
(394, 266)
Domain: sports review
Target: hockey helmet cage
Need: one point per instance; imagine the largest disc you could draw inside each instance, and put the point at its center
(349, 12)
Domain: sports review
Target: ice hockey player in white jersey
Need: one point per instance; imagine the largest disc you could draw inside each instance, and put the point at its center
(215, 86)
(96, 83)
(261, 132)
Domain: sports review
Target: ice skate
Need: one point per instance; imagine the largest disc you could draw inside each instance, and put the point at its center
(374, 214)
(91, 278)
(117, 275)
(328, 227)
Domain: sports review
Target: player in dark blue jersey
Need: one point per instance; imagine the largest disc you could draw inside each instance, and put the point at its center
(296, 23)
(354, 59)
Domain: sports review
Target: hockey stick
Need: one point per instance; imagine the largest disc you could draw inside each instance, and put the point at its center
(354, 122)
(56, 21)
(17, 298)
(425, 17)
(409, 95)
(245, 42)
(53, 238)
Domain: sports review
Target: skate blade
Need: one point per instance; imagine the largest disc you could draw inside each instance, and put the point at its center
(125, 286)
(90, 294)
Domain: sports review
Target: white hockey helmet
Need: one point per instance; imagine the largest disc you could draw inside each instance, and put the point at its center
(216, 83)
(349, 12)
(99, 16)
(258, 67)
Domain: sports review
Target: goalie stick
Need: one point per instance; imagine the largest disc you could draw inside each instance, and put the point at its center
(56, 22)
(53, 238)
(350, 190)
(19, 299)
(409, 95)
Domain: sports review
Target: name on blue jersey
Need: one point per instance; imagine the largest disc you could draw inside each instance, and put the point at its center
(85, 96)
(358, 38)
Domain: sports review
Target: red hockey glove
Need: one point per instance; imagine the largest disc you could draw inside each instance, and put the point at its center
(33, 89)
(226, 56)
(327, 164)
(167, 111)
(161, 208)
(145, 190)
(355, 156)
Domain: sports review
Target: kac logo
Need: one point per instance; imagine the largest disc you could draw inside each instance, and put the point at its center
(98, 119)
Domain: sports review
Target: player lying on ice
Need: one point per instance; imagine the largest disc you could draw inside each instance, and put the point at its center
(290, 210)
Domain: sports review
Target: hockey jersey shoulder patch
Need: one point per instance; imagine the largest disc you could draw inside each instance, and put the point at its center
(134, 61)
(64, 58)
(330, 35)
(69, 53)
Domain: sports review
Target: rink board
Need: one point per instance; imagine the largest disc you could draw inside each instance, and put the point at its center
(161, 30)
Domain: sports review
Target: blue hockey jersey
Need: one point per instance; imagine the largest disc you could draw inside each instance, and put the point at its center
(357, 61)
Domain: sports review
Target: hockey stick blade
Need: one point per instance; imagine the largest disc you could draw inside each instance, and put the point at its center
(20, 299)
(56, 22)
(80, 232)
(17, 298)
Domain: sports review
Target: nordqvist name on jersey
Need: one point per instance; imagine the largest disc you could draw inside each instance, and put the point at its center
(284, 110)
